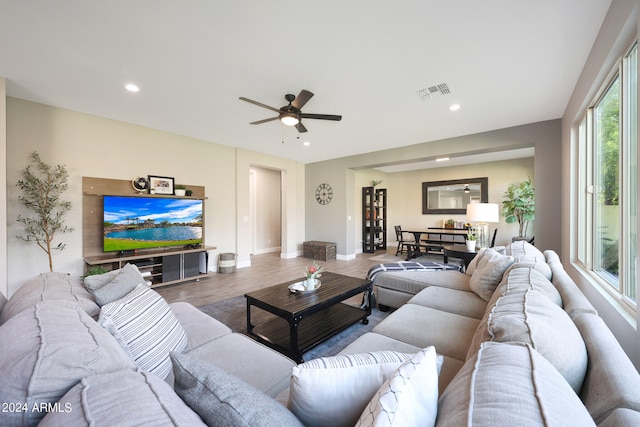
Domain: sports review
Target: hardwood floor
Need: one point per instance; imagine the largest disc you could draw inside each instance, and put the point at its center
(266, 270)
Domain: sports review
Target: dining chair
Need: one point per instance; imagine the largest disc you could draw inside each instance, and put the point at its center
(403, 245)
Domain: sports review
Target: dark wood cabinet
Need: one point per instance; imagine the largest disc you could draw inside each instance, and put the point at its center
(374, 219)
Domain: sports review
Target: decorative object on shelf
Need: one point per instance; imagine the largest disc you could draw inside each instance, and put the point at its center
(140, 184)
(188, 193)
(324, 194)
(519, 205)
(161, 184)
(180, 190)
(483, 213)
(450, 223)
(312, 273)
(42, 190)
(470, 242)
(375, 183)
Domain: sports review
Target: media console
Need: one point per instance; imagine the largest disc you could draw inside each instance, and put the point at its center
(162, 268)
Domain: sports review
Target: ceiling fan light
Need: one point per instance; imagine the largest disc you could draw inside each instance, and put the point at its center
(289, 119)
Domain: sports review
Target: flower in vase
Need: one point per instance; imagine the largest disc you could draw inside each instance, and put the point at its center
(313, 270)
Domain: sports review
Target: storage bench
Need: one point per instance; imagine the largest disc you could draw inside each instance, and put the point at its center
(322, 251)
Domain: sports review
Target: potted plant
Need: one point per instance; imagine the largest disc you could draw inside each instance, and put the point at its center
(450, 223)
(180, 190)
(519, 206)
(471, 240)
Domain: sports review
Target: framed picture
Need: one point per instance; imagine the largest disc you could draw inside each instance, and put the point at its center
(161, 184)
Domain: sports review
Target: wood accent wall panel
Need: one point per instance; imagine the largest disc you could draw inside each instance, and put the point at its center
(92, 191)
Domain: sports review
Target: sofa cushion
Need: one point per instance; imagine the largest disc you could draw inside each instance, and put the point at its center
(146, 328)
(413, 282)
(488, 273)
(525, 276)
(510, 385)
(45, 350)
(199, 327)
(473, 264)
(237, 354)
(526, 315)
(611, 381)
(344, 383)
(409, 397)
(3, 301)
(222, 399)
(522, 248)
(121, 398)
(49, 286)
(452, 301)
(423, 326)
(115, 284)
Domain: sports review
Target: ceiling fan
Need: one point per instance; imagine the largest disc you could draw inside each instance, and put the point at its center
(292, 115)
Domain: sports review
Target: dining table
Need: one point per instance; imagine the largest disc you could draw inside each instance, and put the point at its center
(434, 241)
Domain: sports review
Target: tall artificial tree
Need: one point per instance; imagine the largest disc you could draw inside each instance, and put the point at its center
(519, 205)
(42, 187)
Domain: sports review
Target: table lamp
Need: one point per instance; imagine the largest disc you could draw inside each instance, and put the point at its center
(482, 213)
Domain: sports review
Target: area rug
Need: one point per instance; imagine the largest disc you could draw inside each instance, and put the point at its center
(233, 313)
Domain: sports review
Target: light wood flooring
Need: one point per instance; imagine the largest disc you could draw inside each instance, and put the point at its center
(266, 270)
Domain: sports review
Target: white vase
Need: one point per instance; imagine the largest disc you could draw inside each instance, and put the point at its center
(310, 283)
(471, 245)
(180, 192)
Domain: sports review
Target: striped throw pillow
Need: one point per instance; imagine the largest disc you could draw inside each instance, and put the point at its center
(335, 390)
(146, 328)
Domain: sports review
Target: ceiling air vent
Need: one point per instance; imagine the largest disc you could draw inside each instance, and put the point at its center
(430, 92)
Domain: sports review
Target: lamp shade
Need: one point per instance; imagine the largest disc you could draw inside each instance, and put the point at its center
(483, 212)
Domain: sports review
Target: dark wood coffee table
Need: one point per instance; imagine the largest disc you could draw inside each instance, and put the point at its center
(459, 251)
(311, 317)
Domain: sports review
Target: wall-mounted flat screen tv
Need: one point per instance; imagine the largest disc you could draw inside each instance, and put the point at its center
(151, 222)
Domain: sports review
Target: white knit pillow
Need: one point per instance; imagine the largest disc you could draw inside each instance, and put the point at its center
(146, 328)
(409, 398)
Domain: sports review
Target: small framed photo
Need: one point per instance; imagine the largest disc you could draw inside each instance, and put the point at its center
(160, 184)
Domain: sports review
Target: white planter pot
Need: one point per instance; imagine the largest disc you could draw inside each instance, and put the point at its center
(180, 192)
(471, 245)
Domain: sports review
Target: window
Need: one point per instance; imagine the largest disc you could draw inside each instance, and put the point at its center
(607, 198)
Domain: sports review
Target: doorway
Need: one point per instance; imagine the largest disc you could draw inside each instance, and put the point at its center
(266, 210)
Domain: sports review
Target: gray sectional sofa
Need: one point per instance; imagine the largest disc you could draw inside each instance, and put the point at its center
(517, 343)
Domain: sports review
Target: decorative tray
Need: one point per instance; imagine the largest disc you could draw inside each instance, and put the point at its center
(300, 287)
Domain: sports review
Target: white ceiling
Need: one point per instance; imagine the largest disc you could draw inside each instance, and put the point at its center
(506, 63)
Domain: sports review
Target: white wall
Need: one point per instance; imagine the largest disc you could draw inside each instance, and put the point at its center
(99, 147)
(620, 26)
(4, 285)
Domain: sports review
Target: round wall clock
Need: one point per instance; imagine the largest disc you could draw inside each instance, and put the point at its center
(324, 194)
(140, 184)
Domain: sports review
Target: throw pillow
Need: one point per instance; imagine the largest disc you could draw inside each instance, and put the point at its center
(113, 285)
(344, 383)
(409, 397)
(474, 262)
(222, 399)
(522, 248)
(510, 384)
(488, 273)
(146, 328)
(45, 350)
(121, 398)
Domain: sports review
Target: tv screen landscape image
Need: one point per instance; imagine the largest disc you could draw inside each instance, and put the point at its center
(151, 222)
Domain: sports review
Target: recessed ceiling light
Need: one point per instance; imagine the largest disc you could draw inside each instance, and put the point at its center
(454, 107)
(442, 159)
(132, 87)
(306, 143)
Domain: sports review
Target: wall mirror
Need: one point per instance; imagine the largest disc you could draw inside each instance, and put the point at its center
(453, 196)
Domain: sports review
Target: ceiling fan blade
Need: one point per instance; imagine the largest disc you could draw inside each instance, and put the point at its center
(259, 104)
(264, 121)
(301, 127)
(303, 97)
(321, 116)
